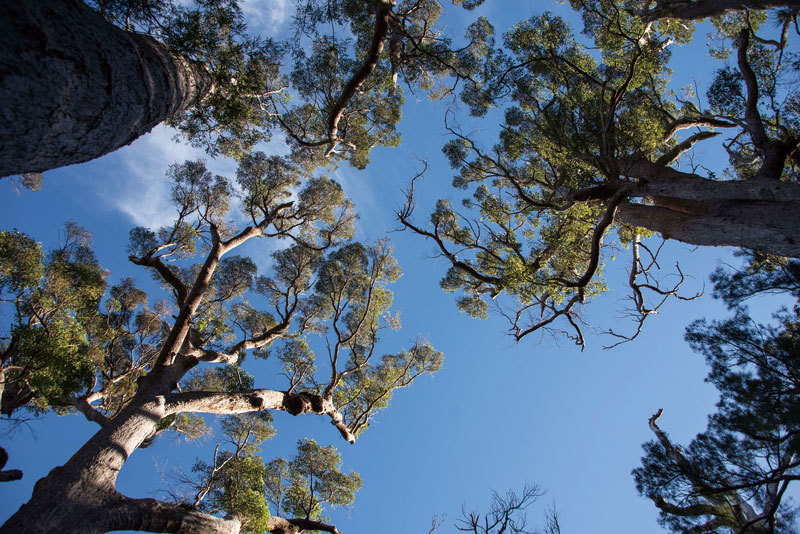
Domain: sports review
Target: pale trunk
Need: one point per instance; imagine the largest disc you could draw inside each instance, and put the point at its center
(80, 496)
(74, 87)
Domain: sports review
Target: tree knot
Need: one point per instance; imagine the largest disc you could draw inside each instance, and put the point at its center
(298, 403)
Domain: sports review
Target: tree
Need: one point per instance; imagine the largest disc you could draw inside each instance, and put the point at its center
(201, 71)
(507, 513)
(139, 369)
(734, 477)
(700, 9)
(237, 482)
(590, 146)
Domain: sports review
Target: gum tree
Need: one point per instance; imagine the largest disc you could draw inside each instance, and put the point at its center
(238, 482)
(138, 368)
(124, 66)
(736, 476)
(595, 153)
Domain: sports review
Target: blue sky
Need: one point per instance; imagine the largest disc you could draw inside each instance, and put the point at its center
(499, 413)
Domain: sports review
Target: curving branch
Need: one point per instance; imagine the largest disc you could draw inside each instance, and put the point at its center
(151, 515)
(732, 509)
(404, 215)
(519, 333)
(773, 152)
(754, 124)
(641, 311)
(675, 152)
(254, 401)
(597, 240)
(90, 412)
(382, 13)
(695, 122)
(280, 525)
(167, 274)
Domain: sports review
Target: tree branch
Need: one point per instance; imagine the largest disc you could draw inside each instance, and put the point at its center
(701, 9)
(254, 401)
(279, 525)
(151, 515)
(90, 412)
(9, 474)
(370, 62)
(695, 122)
(676, 151)
(166, 273)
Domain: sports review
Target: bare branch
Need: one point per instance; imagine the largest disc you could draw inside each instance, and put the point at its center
(254, 401)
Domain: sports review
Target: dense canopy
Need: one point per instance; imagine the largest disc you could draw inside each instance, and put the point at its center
(262, 294)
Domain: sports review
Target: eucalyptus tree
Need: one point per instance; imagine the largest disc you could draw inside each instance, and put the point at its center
(737, 475)
(123, 66)
(137, 369)
(238, 482)
(594, 143)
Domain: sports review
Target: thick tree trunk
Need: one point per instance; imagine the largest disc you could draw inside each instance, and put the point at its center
(79, 497)
(700, 9)
(74, 87)
(766, 226)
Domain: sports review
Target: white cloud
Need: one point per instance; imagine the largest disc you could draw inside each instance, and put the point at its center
(137, 185)
(266, 17)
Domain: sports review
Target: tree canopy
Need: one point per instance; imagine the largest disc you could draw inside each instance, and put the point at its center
(137, 369)
(334, 89)
(736, 475)
(595, 153)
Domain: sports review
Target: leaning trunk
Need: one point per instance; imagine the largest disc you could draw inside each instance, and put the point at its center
(772, 227)
(80, 497)
(75, 87)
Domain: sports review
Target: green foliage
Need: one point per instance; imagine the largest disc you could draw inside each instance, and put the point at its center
(244, 493)
(239, 483)
(366, 389)
(235, 482)
(737, 471)
(329, 95)
(762, 275)
(32, 181)
(48, 353)
(587, 128)
(21, 262)
(310, 481)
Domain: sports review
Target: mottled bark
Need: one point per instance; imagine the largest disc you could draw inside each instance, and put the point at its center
(700, 9)
(150, 515)
(771, 227)
(75, 87)
(256, 400)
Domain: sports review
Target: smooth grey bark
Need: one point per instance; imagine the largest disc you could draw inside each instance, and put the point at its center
(700, 9)
(772, 227)
(74, 87)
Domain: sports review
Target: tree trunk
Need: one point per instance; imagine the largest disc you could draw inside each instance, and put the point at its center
(772, 227)
(701, 9)
(79, 496)
(74, 87)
